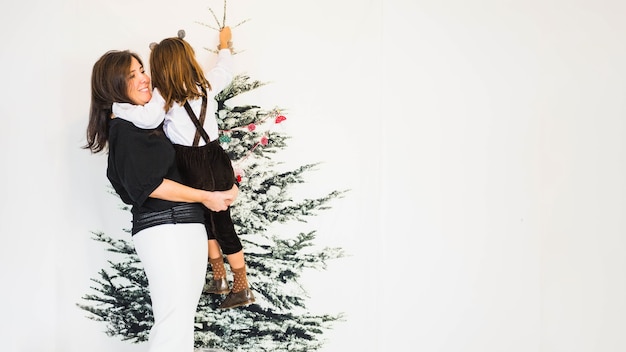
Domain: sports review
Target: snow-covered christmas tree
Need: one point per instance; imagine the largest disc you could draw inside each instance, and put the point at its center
(279, 320)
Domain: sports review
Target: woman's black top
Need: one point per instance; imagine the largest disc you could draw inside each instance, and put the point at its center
(138, 162)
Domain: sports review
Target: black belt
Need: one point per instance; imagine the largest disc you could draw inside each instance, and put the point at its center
(178, 214)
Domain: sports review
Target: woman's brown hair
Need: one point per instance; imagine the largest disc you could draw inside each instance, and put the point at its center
(176, 72)
(109, 84)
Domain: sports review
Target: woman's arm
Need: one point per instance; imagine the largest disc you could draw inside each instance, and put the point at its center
(176, 192)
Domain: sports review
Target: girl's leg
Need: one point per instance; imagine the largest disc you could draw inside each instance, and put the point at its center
(218, 284)
(174, 260)
(214, 249)
(216, 260)
(236, 260)
(241, 294)
(229, 243)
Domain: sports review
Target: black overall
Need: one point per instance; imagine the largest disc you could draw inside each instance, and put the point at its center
(208, 167)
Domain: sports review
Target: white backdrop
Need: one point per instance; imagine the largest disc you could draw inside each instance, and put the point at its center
(482, 142)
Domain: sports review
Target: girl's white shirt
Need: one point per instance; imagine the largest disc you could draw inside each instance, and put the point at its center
(176, 123)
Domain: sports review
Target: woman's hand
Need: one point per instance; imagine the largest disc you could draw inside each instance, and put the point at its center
(221, 200)
(217, 201)
(176, 192)
(233, 193)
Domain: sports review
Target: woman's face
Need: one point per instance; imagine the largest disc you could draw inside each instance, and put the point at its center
(138, 84)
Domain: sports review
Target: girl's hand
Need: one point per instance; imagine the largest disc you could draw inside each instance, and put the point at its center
(225, 38)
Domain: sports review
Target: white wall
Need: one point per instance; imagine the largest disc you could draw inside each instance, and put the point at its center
(482, 142)
(515, 204)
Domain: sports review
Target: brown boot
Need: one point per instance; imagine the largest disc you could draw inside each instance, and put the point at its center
(240, 294)
(238, 299)
(217, 286)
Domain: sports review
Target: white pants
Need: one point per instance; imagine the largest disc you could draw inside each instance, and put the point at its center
(174, 257)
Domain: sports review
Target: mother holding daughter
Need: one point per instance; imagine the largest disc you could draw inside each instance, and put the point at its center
(169, 221)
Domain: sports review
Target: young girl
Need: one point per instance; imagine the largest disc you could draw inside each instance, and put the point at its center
(181, 94)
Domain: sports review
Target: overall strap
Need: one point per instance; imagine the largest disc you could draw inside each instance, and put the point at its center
(199, 129)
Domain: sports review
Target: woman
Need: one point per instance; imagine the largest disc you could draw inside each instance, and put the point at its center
(168, 222)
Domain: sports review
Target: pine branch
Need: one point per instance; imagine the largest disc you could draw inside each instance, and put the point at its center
(122, 300)
(241, 84)
(117, 246)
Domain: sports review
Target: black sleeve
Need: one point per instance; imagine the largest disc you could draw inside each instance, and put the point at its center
(142, 160)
